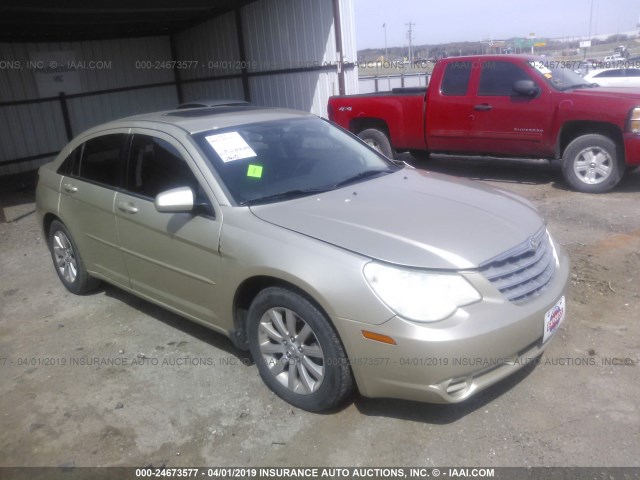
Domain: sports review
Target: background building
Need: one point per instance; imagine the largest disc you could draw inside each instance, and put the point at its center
(66, 69)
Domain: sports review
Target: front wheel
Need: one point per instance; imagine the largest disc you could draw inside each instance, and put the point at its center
(297, 351)
(592, 164)
(377, 140)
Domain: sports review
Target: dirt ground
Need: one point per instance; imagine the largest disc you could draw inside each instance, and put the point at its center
(61, 406)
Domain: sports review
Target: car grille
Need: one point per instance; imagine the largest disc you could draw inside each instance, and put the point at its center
(524, 271)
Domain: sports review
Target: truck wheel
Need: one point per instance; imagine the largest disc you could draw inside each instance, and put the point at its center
(592, 164)
(377, 140)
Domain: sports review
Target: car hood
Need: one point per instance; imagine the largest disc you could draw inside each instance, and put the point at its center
(413, 218)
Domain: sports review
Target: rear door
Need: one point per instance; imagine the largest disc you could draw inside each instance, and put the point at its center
(503, 122)
(172, 258)
(450, 107)
(92, 173)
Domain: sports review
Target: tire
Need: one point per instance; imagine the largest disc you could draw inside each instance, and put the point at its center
(311, 371)
(592, 164)
(68, 262)
(420, 155)
(378, 141)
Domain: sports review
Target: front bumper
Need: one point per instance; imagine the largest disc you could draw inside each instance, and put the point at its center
(632, 149)
(449, 361)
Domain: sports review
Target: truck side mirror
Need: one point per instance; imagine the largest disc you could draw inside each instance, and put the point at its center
(527, 88)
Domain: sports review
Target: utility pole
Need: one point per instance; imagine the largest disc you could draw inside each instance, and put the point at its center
(410, 37)
(590, 22)
(386, 53)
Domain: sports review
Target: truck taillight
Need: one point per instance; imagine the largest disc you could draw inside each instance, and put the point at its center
(634, 121)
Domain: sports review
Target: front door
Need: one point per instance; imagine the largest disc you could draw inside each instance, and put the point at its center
(504, 122)
(172, 258)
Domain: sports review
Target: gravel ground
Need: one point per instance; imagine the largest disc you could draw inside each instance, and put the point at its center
(59, 405)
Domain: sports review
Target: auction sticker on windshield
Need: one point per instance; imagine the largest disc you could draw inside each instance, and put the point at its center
(230, 146)
(553, 318)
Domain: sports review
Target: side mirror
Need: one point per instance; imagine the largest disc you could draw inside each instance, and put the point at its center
(176, 200)
(527, 88)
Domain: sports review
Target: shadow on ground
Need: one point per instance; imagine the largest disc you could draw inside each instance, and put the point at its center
(509, 170)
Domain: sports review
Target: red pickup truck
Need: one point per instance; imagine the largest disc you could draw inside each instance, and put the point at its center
(510, 106)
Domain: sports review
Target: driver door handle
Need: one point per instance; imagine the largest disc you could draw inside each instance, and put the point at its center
(483, 107)
(127, 207)
(70, 188)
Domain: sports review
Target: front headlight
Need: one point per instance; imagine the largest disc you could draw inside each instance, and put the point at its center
(634, 121)
(418, 295)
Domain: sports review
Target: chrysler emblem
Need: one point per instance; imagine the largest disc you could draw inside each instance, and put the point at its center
(533, 243)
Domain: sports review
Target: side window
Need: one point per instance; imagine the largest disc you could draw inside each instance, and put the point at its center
(102, 159)
(70, 164)
(497, 78)
(157, 166)
(632, 72)
(611, 74)
(456, 78)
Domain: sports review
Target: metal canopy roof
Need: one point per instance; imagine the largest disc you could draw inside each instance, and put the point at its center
(68, 20)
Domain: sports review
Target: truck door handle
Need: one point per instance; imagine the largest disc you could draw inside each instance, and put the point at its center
(70, 188)
(127, 207)
(483, 107)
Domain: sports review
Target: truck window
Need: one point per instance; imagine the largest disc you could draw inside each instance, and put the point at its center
(456, 78)
(497, 78)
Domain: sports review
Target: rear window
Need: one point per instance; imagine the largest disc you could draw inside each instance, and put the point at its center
(610, 74)
(70, 164)
(456, 78)
(102, 159)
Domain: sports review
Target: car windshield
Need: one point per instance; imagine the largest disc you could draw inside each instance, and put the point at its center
(280, 160)
(559, 75)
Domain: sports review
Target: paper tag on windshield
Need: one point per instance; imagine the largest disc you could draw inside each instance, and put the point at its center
(230, 146)
(542, 69)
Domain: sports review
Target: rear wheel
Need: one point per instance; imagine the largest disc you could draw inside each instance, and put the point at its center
(297, 351)
(68, 262)
(592, 164)
(377, 140)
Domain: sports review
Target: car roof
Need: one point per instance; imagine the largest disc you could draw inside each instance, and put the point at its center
(195, 120)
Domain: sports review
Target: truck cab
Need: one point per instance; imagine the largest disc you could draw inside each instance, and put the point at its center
(506, 105)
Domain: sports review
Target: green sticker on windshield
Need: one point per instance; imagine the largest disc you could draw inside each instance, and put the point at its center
(254, 171)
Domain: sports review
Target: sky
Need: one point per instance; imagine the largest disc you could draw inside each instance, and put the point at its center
(442, 21)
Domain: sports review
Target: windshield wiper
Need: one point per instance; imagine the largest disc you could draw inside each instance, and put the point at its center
(288, 195)
(360, 176)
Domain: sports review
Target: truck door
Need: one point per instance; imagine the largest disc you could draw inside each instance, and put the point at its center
(503, 121)
(449, 108)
